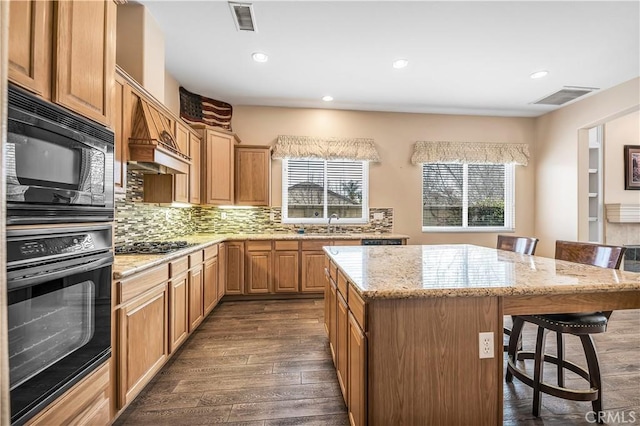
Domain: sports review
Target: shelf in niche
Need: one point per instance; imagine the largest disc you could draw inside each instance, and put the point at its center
(593, 219)
(593, 171)
(593, 194)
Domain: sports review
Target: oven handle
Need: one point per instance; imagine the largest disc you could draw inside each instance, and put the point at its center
(43, 274)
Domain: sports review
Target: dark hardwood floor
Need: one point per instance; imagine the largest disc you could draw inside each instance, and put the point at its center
(268, 363)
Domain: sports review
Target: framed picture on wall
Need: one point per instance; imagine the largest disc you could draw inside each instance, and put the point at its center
(632, 167)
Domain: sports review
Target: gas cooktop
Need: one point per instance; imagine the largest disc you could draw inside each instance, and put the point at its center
(153, 247)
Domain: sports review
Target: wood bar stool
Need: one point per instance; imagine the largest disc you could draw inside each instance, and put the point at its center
(582, 325)
(523, 245)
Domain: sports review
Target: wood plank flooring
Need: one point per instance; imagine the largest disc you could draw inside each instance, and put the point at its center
(267, 363)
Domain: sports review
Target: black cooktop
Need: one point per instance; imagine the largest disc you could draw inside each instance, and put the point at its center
(152, 247)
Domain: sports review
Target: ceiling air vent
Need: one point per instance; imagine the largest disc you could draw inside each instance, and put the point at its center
(243, 16)
(564, 95)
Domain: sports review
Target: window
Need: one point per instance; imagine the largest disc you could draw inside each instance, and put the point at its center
(313, 190)
(468, 197)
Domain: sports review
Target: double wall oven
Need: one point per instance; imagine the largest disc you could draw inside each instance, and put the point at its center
(59, 173)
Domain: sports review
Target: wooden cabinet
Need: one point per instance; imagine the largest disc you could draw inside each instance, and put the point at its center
(222, 269)
(65, 52)
(342, 352)
(235, 268)
(357, 372)
(217, 162)
(196, 310)
(121, 119)
(181, 181)
(252, 175)
(178, 314)
(259, 267)
(332, 301)
(210, 290)
(286, 267)
(87, 403)
(194, 170)
(312, 272)
(30, 36)
(142, 337)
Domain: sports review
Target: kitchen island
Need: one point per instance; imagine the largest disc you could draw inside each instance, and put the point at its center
(404, 324)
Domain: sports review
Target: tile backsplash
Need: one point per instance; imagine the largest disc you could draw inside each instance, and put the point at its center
(138, 221)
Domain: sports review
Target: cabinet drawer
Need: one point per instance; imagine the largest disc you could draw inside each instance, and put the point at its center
(210, 251)
(315, 245)
(179, 265)
(342, 285)
(139, 283)
(195, 259)
(286, 245)
(258, 245)
(357, 307)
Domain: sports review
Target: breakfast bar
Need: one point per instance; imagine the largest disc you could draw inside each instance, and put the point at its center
(404, 324)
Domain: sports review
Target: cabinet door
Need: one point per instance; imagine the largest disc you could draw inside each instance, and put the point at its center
(218, 160)
(84, 55)
(181, 181)
(327, 295)
(30, 24)
(253, 170)
(235, 268)
(258, 272)
(178, 315)
(222, 269)
(194, 170)
(196, 312)
(210, 296)
(286, 272)
(312, 272)
(342, 329)
(142, 342)
(122, 127)
(357, 392)
(333, 321)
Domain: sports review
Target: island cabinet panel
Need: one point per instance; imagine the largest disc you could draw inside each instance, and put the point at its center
(178, 313)
(342, 339)
(418, 348)
(142, 341)
(196, 310)
(327, 293)
(235, 268)
(332, 301)
(357, 372)
(84, 57)
(87, 403)
(30, 24)
(286, 271)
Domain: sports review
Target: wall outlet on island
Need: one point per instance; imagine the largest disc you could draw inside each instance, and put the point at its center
(486, 345)
(378, 216)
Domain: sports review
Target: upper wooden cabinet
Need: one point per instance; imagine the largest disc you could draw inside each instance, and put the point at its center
(217, 163)
(194, 170)
(121, 119)
(65, 52)
(252, 175)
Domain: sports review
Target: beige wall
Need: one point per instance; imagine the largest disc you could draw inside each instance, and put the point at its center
(618, 133)
(561, 162)
(395, 182)
(140, 48)
(172, 94)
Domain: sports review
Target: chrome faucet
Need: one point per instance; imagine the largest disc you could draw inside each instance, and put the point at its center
(333, 216)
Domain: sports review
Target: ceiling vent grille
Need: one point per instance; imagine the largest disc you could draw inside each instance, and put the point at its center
(564, 95)
(243, 16)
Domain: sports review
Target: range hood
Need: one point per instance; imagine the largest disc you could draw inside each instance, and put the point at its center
(152, 145)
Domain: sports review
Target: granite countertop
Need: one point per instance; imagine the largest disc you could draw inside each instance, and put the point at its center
(128, 264)
(414, 271)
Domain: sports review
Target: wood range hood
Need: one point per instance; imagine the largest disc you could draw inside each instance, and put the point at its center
(152, 145)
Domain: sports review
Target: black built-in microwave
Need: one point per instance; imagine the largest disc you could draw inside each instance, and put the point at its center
(59, 165)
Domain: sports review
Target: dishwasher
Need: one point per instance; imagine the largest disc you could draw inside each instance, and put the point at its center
(381, 242)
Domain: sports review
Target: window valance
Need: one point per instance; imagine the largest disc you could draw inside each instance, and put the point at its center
(357, 149)
(470, 152)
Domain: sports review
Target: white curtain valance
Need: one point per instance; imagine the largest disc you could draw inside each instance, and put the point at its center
(357, 149)
(470, 152)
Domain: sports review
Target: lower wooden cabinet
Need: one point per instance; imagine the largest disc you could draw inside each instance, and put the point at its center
(235, 268)
(87, 403)
(332, 301)
(312, 272)
(178, 313)
(286, 271)
(222, 269)
(210, 290)
(342, 338)
(357, 367)
(258, 272)
(196, 310)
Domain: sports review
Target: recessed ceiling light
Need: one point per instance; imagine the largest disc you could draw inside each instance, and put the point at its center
(400, 63)
(260, 57)
(327, 98)
(539, 74)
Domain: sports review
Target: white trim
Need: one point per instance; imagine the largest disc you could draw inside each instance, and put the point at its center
(442, 229)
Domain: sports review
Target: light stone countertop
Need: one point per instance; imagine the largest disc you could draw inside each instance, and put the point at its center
(126, 265)
(414, 271)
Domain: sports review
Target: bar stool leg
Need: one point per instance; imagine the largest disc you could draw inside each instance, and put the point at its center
(594, 372)
(537, 370)
(560, 346)
(514, 339)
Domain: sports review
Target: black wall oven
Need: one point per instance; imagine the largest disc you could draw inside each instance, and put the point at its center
(59, 311)
(59, 165)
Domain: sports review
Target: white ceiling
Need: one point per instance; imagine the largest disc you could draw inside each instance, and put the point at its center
(464, 57)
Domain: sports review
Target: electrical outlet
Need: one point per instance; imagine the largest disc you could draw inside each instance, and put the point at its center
(378, 216)
(223, 215)
(486, 345)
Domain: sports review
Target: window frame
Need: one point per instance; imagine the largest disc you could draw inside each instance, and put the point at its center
(312, 221)
(509, 204)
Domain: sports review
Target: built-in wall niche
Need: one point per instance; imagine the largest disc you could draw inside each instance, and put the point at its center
(596, 196)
